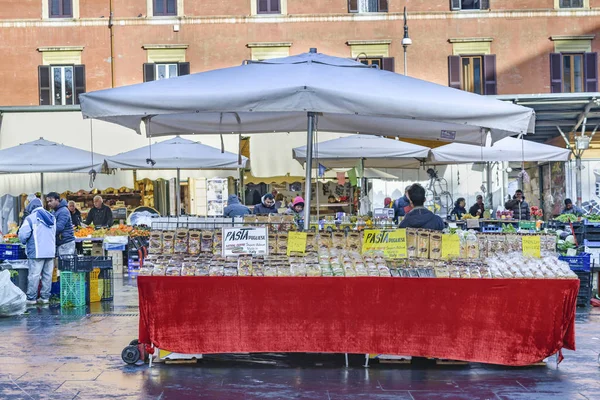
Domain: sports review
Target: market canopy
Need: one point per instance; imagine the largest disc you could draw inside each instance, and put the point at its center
(373, 151)
(41, 156)
(507, 149)
(177, 153)
(276, 95)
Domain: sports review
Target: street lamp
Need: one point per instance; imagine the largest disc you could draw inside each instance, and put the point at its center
(406, 41)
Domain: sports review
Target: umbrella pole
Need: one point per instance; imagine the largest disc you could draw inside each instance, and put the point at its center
(308, 181)
(490, 195)
(42, 184)
(178, 194)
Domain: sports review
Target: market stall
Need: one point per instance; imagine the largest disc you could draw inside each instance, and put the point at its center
(177, 154)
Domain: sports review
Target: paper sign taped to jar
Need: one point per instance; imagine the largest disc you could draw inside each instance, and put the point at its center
(237, 241)
(532, 246)
(296, 242)
(450, 246)
(392, 243)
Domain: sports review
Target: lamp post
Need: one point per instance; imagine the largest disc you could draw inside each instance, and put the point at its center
(406, 41)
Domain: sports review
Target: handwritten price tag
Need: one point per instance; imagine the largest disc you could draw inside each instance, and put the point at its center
(532, 246)
(450, 246)
(296, 243)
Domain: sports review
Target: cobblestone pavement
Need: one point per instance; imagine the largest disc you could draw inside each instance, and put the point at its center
(52, 355)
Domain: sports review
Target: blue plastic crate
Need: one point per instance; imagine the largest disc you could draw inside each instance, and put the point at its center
(594, 224)
(578, 263)
(589, 243)
(491, 229)
(12, 252)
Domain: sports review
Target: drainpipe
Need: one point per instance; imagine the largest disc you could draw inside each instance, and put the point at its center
(112, 45)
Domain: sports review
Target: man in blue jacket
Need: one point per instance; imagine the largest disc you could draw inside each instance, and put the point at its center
(235, 208)
(400, 204)
(420, 217)
(38, 233)
(65, 236)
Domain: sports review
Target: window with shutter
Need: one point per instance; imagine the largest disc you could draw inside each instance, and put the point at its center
(268, 7)
(60, 85)
(164, 7)
(183, 68)
(388, 64)
(556, 73)
(79, 72)
(456, 5)
(365, 6)
(159, 71)
(590, 72)
(489, 74)
(44, 85)
(61, 8)
(149, 72)
(454, 72)
(475, 74)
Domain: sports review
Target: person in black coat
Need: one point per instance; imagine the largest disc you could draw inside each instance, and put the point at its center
(100, 215)
(75, 214)
(518, 206)
(459, 208)
(478, 208)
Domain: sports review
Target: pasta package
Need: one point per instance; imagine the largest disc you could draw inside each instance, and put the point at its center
(311, 242)
(272, 243)
(249, 220)
(354, 241)
(155, 242)
(282, 243)
(217, 242)
(206, 242)
(435, 246)
(423, 244)
(181, 241)
(472, 246)
(287, 223)
(325, 241)
(168, 242)
(194, 242)
(411, 243)
(339, 240)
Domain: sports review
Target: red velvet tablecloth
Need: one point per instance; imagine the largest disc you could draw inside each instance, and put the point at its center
(499, 321)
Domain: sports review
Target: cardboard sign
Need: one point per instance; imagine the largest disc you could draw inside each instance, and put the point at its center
(532, 246)
(296, 242)
(237, 241)
(450, 246)
(472, 223)
(392, 243)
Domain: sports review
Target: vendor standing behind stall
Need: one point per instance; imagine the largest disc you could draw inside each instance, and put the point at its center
(478, 208)
(420, 217)
(100, 214)
(75, 214)
(266, 206)
(518, 206)
(459, 208)
(570, 208)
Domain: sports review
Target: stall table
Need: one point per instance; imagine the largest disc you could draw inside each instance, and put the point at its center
(499, 321)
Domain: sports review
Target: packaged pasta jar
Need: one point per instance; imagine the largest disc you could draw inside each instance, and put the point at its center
(282, 243)
(339, 240)
(155, 242)
(354, 241)
(217, 242)
(244, 266)
(423, 244)
(168, 242)
(435, 246)
(311, 242)
(324, 239)
(181, 241)
(194, 242)
(206, 243)
(188, 268)
(272, 242)
(201, 270)
(411, 243)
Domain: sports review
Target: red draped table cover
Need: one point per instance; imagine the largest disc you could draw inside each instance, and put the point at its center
(498, 321)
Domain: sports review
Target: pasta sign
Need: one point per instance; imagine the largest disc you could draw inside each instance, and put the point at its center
(237, 241)
(392, 243)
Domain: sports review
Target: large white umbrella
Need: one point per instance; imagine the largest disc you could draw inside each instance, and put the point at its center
(308, 91)
(41, 156)
(372, 151)
(176, 154)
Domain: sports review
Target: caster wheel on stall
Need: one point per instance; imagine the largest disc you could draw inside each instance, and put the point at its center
(134, 342)
(130, 355)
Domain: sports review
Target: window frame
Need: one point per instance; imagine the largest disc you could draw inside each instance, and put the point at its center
(472, 68)
(560, 6)
(572, 56)
(457, 5)
(61, 7)
(269, 12)
(165, 13)
(63, 84)
(382, 7)
(167, 69)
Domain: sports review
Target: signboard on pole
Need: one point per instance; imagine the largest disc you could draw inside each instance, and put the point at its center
(248, 240)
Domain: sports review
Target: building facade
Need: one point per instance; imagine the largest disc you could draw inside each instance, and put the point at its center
(53, 50)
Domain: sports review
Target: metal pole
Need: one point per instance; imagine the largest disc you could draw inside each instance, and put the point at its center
(309, 154)
(490, 195)
(578, 188)
(178, 188)
(42, 184)
(405, 66)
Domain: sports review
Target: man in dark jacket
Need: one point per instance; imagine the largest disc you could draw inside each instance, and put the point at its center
(518, 206)
(100, 214)
(75, 214)
(400, 204)
(65, 237)
(478, 208)
(420, 217)
(266, 206)
(235, 208)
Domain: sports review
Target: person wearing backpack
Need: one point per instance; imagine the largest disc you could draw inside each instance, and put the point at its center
(38, 234)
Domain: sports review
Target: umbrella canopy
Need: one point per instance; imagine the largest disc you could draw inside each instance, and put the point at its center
(507, 149)
(376, 152)
(275, 96)
(42, 156)
(176, 153)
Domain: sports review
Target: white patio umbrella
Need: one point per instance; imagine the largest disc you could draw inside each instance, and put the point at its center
(176, 154)
(373, 151)
(307, 91)
(41, 156)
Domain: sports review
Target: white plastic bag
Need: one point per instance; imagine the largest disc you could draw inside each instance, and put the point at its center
(12, 299)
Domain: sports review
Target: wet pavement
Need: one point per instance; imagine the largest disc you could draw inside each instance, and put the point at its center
(77, 355)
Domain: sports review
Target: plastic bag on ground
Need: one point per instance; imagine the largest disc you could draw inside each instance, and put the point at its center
(12, 299)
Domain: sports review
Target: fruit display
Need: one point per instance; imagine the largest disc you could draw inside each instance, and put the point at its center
(11, 238)
(469, 216)
(504, 214)
(84, 232)
(119, 230)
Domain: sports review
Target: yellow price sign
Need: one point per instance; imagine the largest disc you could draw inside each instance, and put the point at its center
(296, 243)
(450, 246)
(532, 246)
(392, 243)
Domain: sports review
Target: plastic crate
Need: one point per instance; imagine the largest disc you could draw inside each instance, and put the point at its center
(491, 229)
(12, 252)
(95, 294)
(106, 284)
(578, 263)
(83, 263)
(72, 289)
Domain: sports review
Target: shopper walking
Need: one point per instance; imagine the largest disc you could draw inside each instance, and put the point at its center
(65, 237)
(38, 234)
(235, 208)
